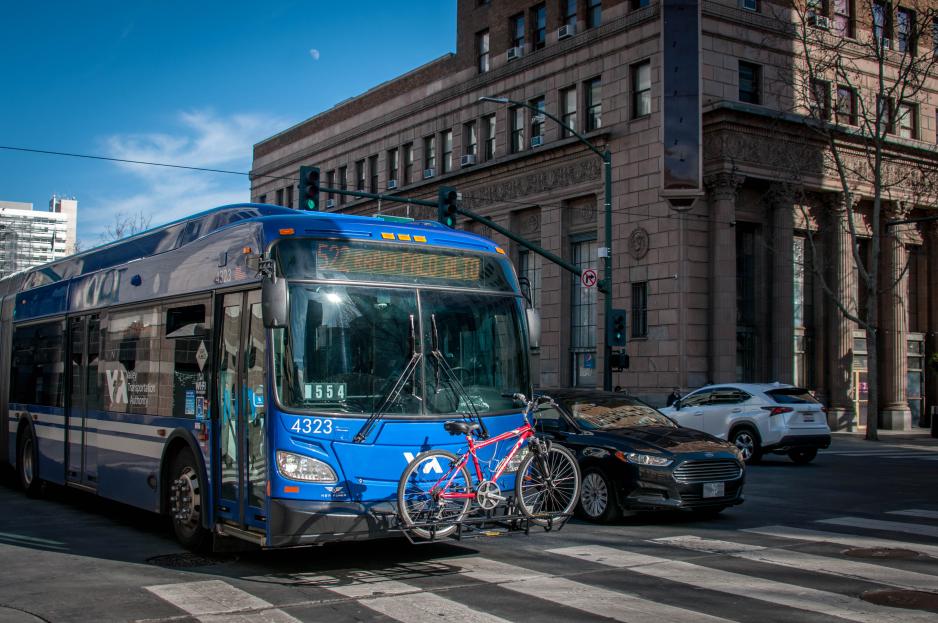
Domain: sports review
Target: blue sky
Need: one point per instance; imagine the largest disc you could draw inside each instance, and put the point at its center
(190, 83)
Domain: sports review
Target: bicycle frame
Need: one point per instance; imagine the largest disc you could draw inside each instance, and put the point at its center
(523, 433)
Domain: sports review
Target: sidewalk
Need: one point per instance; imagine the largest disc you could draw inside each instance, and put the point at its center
(916, 435)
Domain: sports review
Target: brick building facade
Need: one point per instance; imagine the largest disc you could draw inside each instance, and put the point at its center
(725, 290)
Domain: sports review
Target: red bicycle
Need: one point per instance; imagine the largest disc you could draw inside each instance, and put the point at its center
(436, 490)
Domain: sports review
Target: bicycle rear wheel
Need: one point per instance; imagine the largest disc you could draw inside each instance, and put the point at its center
(423, 512)
(547, 485)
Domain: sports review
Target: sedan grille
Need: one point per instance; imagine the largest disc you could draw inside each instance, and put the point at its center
(707, 471)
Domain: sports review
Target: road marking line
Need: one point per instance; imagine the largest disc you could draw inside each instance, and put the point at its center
(916, 512)
(792, 596)
(849, 540)
(602, 602)
(214, 601)
(810, 562)
(879, 524)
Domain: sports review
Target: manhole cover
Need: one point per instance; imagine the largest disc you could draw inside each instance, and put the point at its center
(881, 552)
(900, 598)
(182, 561)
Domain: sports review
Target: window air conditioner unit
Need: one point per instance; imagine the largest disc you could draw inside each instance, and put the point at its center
(820, 21)
(814, 4)
(467, 160)
(537, 118)
(330, 203)
(886, 43)
(428, 173)
(514, 53)
(537, 141)
(392, 184)
(567, 30)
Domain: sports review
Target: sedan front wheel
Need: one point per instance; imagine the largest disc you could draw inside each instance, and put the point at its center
(597, 496)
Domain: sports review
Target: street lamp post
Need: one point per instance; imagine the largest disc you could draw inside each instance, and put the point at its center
(605, 285)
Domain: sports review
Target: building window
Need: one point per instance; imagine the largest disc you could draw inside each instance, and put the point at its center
(885, 115)
(820, 99)
(330, 182)
(516, 115)
(488, 124)
(482, 50)
(882, 21)
(288, 199)
(529, 273)
(470, 139)
(373, 174)
(747, 279)
(539, 21)
(594, 13)
(568, 7)
(343, 182)
(594, 104)
(634, 5)
(279, 196)
(641, 89)
(360, 175)
(640, 309)
(447, 140)
(429, 153)
(749, 5)
(516, 31)
(750, 83)
(905, 32)
(846, 105)
(537, 120)
(393, 164)
(907, 120)
(568, 110)
(934, 36)
(408, 163)
(583, 318)
(262, 198)
(843, 18)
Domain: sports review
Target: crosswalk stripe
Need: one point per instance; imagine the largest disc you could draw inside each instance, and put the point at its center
(594, 600)
(916, 512)
(793, 596)
(809, 562)
(849, 540)
(214, 601)
(879, 524)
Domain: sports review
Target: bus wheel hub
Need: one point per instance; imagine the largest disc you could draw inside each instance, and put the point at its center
(184, 496)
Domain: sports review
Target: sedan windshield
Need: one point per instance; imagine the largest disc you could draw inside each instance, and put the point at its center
(352, 349)
(593, 413)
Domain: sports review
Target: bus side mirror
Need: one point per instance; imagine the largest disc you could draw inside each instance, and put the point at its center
(534, 327)
(274, 304)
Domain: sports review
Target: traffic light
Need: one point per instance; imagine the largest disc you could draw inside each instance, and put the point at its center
(615, 336)
(447, 207)
(309, 188)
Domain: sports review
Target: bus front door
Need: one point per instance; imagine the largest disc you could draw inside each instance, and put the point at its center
(84, 400)
(240, 438)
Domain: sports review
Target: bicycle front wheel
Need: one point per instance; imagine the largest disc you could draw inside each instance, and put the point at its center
(547, 485)
(423, 510)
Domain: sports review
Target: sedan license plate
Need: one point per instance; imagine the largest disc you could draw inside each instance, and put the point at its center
(713, 489)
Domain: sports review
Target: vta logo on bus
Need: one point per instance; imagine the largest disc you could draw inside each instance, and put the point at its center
(117, 386)
(432, 465)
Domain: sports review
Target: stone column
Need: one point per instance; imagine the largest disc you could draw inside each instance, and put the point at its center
(930, 231)
(894, 326)
(782, 278)
(843, 284)
(721, 195)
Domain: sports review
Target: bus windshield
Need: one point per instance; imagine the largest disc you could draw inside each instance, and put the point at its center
(348, 347)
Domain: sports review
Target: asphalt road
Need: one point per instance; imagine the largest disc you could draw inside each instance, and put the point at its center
(811, 543)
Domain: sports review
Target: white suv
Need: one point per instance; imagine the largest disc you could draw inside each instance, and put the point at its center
(757, 418)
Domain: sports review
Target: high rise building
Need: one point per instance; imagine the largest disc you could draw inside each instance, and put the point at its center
(69, 207)
(29, 237)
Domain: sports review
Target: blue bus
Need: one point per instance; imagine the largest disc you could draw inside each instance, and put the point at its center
(257, 372)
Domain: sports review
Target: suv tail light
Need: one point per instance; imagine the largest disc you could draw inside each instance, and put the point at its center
(778, 410)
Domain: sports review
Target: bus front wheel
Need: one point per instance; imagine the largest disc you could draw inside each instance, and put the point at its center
(186, 502)
(27, 463)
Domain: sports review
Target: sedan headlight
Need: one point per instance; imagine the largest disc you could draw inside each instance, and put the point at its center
(304, 468)
(638, 458)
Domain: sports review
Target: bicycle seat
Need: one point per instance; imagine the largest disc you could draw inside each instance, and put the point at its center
(459, 428)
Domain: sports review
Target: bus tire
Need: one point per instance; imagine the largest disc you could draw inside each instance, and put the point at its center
(27, 463)
(186, 501)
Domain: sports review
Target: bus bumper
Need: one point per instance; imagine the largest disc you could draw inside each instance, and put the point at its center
(303, 522)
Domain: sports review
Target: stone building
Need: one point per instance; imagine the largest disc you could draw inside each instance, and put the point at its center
(733, 275)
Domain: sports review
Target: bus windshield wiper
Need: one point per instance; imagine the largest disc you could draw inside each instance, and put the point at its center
(398, 387)
(455, 385)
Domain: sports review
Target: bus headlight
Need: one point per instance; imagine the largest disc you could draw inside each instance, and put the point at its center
(304, 468)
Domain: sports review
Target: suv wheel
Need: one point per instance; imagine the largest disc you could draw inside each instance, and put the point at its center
(802, 456)
(747, 440)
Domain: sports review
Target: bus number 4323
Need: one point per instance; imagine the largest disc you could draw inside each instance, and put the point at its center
(312, 426)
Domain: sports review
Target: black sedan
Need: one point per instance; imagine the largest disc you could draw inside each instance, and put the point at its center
(632, 457)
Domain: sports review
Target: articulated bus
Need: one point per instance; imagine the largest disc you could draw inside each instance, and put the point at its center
(257, 372)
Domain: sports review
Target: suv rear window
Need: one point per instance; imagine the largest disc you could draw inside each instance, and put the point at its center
(791, 396)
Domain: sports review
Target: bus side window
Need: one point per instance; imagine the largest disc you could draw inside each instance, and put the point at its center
(186, 360)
